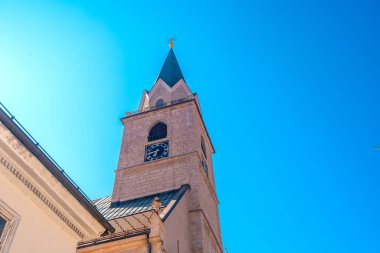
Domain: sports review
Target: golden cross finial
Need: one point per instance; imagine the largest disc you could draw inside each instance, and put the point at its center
(171, 44)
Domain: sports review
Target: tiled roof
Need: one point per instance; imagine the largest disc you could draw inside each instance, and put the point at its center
(131, 207)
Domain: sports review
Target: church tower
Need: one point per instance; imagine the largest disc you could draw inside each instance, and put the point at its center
(165, 145)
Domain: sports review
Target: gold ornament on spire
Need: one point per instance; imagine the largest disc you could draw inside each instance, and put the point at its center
(171, 44)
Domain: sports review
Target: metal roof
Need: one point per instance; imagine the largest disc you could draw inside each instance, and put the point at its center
(171, 72)
(135, 206)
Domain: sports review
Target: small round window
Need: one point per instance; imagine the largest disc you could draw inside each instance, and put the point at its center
(160, 103)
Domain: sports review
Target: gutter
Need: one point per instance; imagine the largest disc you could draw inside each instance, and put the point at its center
(110, 238)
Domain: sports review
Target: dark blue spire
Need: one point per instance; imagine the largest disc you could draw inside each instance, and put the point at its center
(171, 72)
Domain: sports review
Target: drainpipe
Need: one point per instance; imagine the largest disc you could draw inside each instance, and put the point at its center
(148, 241)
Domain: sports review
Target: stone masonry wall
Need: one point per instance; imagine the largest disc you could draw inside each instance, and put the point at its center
(135, 178)
(200, 131)
(179, 93)
(161, 90)
(179, 121)
(152, 178)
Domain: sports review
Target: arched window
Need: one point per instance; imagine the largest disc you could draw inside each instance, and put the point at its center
(203, 146)
(159, 131)
(160, 103)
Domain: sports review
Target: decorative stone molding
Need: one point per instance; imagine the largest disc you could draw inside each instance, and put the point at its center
(14, 143)
(12, 220)
(37, 193)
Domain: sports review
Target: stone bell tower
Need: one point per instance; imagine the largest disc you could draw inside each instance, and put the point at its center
(165, 145)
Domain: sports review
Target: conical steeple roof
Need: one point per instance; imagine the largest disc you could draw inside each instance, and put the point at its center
(171, 72)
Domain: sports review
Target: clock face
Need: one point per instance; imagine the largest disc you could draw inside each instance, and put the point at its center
(156, 151)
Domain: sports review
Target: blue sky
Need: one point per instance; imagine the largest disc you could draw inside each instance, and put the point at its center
(289, 92)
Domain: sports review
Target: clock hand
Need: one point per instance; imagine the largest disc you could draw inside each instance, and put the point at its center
(153, 152)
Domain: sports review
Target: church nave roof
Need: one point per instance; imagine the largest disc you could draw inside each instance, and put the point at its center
(169, 199)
